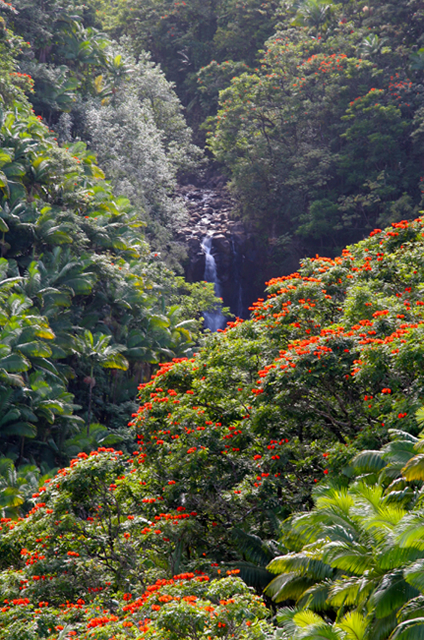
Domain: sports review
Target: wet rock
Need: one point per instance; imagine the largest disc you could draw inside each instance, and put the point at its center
(221, 244)
(212, 213)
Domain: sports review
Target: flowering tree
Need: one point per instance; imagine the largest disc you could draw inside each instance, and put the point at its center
(329, 362)
(317, 137)
(229, 443)
(83, 557)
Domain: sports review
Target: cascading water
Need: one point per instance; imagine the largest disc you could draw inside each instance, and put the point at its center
(213, 320)
(232, 263)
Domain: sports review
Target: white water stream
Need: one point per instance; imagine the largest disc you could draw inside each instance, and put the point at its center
(214, 320)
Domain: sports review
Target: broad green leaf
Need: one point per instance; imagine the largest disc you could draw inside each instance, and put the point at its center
(44, 332)
(4, 157)
(414, 469)
(14, 363)
(3, 180)
(10, 416)
(116, 361)
(35, 349)
(19, 429)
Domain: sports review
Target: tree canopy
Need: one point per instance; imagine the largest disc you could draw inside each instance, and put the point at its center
(159, 481)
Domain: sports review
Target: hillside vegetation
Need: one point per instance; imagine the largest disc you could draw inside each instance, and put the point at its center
(159, 481)
(313, 108)
(87, 306)
(322, 387)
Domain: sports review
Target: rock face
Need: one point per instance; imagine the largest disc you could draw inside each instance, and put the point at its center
(211, 210)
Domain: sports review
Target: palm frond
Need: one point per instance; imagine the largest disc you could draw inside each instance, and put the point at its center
(316, 597)
(288, 586)
(414, 574)
(414, 469)
(355, 625)
(383, 627)
(399, 451)
(253, 548)
(409, 630)
(368, 461)
(353, 557)
(253, 576)
(391, 594)
(300, 564)
(387, 516)
(398, 434)
(350, 591)
(393, 556)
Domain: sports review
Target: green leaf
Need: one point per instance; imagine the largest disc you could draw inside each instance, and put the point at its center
(3, 180)
(20, 429)
(115, 361)
(414, 469)
(409, 630)
(35, 349)
(369, 461)
(391, 594)
(14, 363)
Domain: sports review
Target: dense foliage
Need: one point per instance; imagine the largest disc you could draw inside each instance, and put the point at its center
(322, 140)
(330, 362)
(87, 307)
(186, 36)
(320, 387)
(357, 557)
(313, 108)
(269, 482)
(88, 87)
(111, 545)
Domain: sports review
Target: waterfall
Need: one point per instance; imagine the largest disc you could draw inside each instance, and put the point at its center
(218, 244)
(213, 320)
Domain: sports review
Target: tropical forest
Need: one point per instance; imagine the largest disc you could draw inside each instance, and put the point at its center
(212, 320)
